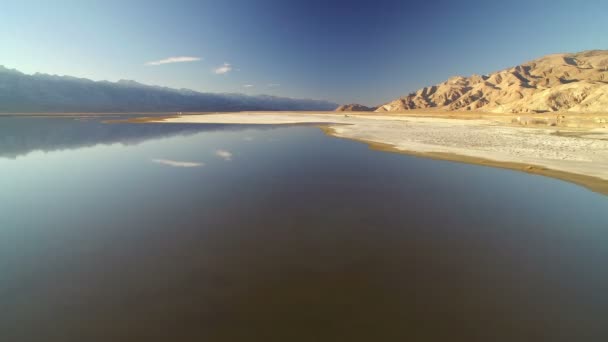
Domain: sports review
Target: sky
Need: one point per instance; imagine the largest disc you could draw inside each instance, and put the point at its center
(357, 51)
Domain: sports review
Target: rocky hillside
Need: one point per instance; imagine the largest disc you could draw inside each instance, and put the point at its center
(22, 93)
(575, 82)
(354, 107)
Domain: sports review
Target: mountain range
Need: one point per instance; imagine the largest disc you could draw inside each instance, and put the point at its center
(354, 107)
(568, 82)
(43, 93)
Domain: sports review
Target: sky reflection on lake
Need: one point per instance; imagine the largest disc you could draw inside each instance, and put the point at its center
(226, 233)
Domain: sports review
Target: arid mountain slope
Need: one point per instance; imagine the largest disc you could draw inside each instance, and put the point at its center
(575, 82)
(354, 107)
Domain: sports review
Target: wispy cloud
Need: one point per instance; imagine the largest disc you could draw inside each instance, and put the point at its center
(247, 85)
(273, 85)
(224, 69)
(170, 60)
(226, 155)
(176, 163)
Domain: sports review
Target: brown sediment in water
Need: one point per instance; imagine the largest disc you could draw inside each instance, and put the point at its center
(594, 184)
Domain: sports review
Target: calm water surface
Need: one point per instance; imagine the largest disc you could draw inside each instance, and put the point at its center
(148, 232)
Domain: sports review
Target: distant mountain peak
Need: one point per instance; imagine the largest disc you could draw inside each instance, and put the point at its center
(354, 107)
(129, 82)
(4, 69)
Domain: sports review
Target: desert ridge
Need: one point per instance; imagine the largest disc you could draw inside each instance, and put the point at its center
(355, 107)
(568, 82)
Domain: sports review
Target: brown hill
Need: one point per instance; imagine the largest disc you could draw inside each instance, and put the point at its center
(354, 107)
(575, 82)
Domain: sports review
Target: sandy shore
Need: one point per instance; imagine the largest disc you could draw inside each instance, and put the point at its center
(579, 154)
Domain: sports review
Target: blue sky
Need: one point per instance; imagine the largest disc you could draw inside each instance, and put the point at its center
(345, 51)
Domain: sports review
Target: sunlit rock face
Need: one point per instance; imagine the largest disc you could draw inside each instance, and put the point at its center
(573, 82)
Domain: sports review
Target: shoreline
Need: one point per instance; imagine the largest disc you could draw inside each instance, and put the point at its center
(595, 184)
(575, 155)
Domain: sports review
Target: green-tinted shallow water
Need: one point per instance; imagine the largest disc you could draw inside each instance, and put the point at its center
(285, 235)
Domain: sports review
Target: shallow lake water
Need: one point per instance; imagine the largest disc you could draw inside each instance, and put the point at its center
(170, 232)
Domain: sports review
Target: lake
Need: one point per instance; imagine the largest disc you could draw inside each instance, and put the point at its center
(184, 232)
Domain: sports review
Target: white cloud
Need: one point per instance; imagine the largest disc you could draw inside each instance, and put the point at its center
(247, 85)
(226, 155)
(224, 69)
(175, 163)
(169, 60)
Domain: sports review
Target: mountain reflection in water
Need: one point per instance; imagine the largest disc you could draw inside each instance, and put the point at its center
(163, 232)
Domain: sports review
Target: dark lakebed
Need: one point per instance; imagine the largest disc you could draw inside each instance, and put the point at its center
(183, 232)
